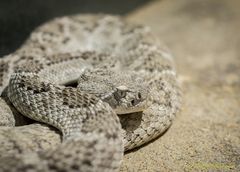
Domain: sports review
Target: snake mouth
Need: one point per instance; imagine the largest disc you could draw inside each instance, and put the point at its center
(140, 107)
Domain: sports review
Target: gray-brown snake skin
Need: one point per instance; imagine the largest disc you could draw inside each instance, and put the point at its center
(127, 94)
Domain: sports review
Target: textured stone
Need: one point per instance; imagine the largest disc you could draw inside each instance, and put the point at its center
(205, 136)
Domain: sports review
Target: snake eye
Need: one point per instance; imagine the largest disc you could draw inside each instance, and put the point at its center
(121, 93)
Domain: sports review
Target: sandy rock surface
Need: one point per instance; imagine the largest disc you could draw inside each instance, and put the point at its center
(204, 37)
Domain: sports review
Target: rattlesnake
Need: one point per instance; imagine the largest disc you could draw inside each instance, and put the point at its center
(127, 93)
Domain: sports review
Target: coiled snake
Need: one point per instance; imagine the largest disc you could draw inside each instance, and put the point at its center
(126, 93)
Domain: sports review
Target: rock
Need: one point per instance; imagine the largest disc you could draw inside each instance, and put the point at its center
(204, 37)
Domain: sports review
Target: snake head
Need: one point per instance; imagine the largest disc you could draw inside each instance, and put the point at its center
(125, 92)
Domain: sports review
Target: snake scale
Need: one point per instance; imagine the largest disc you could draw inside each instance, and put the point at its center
(105, 83)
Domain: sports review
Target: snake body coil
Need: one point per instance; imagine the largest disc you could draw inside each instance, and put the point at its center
(126, 93)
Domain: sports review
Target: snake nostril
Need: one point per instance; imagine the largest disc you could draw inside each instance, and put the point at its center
(139, 95)
(133, 102)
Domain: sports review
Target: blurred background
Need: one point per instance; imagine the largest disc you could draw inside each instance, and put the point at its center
(19, 18)
(204, 38)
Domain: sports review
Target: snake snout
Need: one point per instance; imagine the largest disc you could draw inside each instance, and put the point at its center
(137, 100)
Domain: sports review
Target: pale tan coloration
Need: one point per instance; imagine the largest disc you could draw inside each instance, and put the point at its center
(120, 69)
